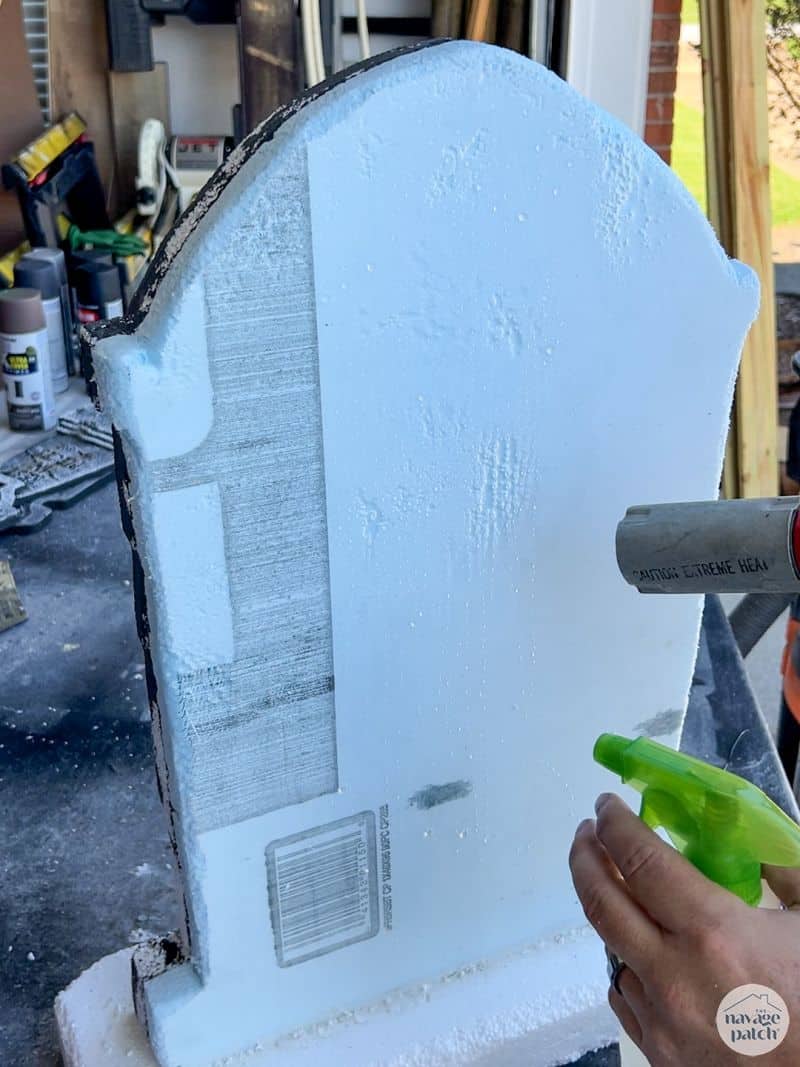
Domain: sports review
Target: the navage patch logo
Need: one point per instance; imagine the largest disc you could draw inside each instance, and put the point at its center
(752, 1020)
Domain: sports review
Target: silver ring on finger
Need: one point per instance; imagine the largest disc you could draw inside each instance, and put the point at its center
(615, 968)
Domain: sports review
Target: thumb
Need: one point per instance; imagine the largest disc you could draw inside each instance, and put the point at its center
(784, 883)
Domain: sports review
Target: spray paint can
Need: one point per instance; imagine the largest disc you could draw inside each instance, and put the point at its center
(59, 262)
(82, 256)
(42, 276)
(25, 361)
(98, 292)
(76, 260)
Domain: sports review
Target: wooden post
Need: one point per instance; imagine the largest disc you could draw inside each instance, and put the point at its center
(268, 57)
(446, 18)
(737, 171)
(79, 79)
(20, 115)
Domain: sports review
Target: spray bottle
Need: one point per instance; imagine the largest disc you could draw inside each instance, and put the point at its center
(726, 826)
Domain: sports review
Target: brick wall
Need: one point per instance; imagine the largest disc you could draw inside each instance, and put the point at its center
(663, 70)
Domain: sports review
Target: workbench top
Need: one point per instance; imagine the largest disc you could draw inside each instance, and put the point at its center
(12, 442)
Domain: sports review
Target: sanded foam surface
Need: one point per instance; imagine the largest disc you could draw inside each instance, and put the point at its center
(396, 384)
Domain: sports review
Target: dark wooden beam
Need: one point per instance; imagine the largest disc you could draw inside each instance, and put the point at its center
(271, 72)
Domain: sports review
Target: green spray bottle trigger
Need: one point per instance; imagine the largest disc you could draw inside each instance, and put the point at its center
(720, 822)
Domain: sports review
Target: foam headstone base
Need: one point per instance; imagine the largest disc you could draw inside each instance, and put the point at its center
(470, 1018)
(392, 382)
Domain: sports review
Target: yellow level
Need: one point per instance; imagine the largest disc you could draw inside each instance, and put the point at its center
(39, 154)
(7, 262)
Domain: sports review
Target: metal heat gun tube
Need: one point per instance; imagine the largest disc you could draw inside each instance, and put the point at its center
(715, 546)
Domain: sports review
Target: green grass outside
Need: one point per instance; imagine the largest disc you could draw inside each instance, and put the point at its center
(688, 151)
(690, 11)
(688, 162)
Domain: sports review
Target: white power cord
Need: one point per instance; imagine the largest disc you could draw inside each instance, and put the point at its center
(151, 181)
(311, 24)
(169, 170)
(312, 41)
(316, 25)
(309, 52)
(363, 28)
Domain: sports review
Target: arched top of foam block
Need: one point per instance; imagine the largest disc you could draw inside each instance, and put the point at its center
(462, 69)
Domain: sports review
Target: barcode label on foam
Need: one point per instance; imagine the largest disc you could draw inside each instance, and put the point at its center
(323, 888)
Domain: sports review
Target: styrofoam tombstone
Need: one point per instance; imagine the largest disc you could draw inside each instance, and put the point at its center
(388, 388)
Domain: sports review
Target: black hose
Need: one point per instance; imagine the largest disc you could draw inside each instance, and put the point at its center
(788, 741)
(753, 616)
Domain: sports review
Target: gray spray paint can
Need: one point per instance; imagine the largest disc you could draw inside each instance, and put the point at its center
(25, 361)
(59, 261)
(40, 275)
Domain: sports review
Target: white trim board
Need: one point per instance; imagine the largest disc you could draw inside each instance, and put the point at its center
(609, 55)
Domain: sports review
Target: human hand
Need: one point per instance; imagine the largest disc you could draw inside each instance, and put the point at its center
(686, 942)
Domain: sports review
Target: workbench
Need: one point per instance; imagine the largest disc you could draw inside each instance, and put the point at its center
(87, 866)
(13, 442)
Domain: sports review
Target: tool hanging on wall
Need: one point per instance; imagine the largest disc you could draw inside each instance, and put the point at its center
(56, 177)
(129, 23)
(151, 176)
(192, 160)
(156, 193)
(173, 169)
